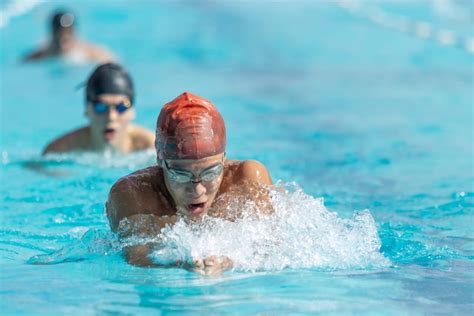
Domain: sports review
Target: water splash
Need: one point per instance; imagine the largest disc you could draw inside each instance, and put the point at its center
(94, 243)
(104, 160)
(15, 8)
(107, 159)
(301, 234)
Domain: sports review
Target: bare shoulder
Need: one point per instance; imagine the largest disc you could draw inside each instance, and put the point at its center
(248, 179)
(134, 194)
(72, 141)
(252, 170)
(142, 138)
(97, 52)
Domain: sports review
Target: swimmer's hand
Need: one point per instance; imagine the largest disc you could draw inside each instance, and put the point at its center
(212, 266)
(142, 226)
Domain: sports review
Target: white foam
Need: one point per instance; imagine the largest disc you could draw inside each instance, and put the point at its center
(107, 159)
(15, 8)
(301, 234)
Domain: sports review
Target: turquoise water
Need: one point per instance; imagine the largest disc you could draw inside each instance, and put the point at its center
(365, 116)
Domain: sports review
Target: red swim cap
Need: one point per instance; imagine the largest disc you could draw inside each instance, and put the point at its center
(189, 127)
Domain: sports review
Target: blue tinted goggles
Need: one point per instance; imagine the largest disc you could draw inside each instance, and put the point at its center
(101, 107)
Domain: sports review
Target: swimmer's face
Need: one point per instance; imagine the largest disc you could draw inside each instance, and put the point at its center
(110, 116)
(194, 198)
(64, 39)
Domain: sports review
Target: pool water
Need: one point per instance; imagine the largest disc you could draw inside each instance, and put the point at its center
(368, 127)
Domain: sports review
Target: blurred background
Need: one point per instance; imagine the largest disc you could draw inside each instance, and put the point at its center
(368, 104)
(327, 89)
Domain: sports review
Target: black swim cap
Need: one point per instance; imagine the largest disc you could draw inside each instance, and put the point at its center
(62, 19)
(109, 78)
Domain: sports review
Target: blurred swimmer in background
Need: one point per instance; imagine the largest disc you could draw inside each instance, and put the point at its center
(110, 109)
(193, 178)
(64, 43)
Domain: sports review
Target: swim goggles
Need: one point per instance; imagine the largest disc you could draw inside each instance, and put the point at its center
(101, 107)
(183, 176)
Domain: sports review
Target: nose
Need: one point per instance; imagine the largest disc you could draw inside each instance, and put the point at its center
(112, 114)
(196, 189)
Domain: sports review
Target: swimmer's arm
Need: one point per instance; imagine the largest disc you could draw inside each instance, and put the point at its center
(128, 214)
(211, 266)
(41, 53)
(139, 255)
(98, 53)
(148, 225)
(142, 225)
(129, 199)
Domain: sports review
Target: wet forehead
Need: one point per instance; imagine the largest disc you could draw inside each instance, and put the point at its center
(111, 98)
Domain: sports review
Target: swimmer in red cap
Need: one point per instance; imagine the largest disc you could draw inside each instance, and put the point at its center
(191, 179)
(64, 43)
(110, 107)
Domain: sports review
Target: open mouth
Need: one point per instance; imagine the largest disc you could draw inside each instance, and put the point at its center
(109, 134)
(196, 208)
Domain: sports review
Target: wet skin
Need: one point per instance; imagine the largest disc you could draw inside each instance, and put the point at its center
(109, 130)
(64, 42)
(149, 200)
(193, 199)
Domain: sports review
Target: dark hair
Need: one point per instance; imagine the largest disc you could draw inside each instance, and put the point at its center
(62, 20)
(109, 78)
